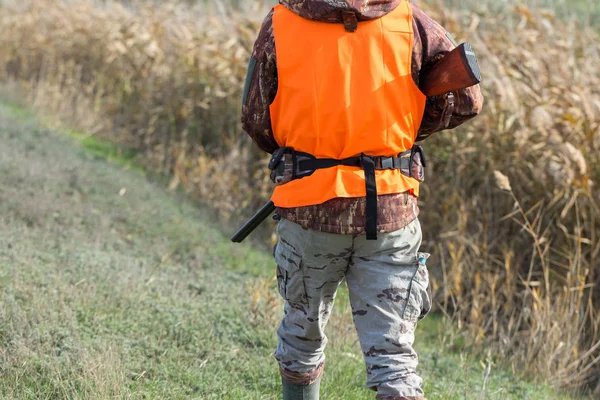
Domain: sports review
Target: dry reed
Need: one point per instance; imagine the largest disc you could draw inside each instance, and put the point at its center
(511, 205)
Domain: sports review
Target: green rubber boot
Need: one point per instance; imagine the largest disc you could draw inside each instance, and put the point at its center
(298, 392)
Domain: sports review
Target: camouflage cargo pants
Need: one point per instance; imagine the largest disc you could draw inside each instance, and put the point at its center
(388, 283)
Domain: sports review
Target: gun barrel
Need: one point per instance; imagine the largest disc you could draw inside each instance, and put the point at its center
(459, 69)
(253, 223)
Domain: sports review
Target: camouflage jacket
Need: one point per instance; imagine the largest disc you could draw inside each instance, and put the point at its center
(431, 43)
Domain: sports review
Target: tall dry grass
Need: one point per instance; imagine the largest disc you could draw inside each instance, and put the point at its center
(511, 206)
(520, 265)
(158, 78)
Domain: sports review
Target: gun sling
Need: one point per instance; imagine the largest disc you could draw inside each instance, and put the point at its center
(288, 164)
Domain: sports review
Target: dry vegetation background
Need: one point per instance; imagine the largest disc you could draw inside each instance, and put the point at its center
(511, 207)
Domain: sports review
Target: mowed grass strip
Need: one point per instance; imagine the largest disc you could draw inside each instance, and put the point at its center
(111, 287)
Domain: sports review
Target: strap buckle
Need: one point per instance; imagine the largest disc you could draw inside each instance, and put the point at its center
(386, 163)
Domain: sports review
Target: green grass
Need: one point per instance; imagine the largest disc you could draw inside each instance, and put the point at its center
(108, 150)
(112, 287)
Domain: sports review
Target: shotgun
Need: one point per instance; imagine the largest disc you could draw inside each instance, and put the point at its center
(458, 69)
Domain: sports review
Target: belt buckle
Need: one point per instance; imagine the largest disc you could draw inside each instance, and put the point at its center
(387, 162)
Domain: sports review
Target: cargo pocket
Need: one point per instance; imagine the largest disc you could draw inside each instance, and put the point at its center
(290, 275)
(419, 300)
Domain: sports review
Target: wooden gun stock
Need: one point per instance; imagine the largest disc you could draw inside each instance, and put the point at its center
(459, 69)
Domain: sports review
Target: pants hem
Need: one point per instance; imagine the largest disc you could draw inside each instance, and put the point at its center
(301, 378)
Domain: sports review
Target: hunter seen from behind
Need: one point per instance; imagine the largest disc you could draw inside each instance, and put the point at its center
(124, 172)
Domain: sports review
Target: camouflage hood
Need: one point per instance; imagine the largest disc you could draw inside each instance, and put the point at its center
(337, 10)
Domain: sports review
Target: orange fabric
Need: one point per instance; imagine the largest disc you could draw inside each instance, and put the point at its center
(341, 94)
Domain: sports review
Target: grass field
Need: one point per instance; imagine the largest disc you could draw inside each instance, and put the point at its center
(112, 287)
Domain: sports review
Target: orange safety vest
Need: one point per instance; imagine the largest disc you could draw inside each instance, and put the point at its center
(342, 94)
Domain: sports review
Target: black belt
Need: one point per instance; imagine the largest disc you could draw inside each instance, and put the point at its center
(288, 164)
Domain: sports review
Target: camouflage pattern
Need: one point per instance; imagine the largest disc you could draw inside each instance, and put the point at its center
(431, 43)
(331, 10)
(388, 283)
(347, 216)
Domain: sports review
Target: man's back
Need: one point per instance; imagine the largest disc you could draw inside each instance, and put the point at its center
(333, 92)
(430, 43)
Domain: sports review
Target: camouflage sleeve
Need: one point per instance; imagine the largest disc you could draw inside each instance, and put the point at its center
(260, 89)
(432, 43)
